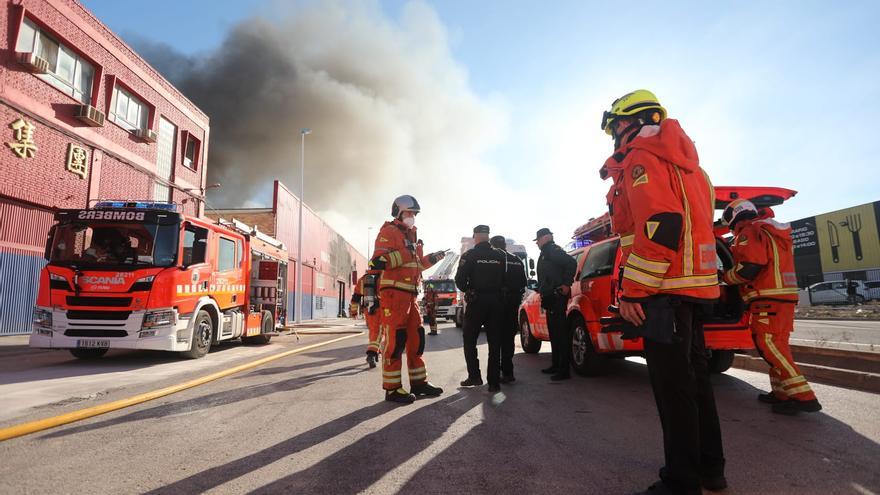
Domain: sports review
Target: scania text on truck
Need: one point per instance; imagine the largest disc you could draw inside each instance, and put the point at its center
(141, 275)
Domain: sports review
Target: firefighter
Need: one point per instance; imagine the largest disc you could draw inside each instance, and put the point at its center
(366, 301)
(512, 294)
(662, 204)
(399, 258)
(555, 276)
(480, 276)
(430, 300)
(764, 271)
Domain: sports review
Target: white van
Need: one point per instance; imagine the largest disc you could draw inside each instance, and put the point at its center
(835, 292)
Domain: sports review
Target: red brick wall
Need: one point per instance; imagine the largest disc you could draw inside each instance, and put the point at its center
(48, 182)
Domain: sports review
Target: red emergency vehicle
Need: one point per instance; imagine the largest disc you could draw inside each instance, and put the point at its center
(596, 280)
(141, 275)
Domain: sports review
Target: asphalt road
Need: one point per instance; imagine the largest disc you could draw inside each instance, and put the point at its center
(316, 423)
(839, 334)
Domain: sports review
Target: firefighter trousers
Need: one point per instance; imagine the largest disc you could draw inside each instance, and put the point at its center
(679, 373)
(373, 328)
(508, 333)
(483, 312)
(399, 322)
(772, 323)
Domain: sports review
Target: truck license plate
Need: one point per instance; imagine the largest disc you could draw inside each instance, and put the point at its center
(92, 344)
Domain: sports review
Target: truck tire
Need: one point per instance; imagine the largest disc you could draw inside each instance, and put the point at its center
(459, 318)
(89, 353)
(528, 341)
(720, 360)
(268, 325)
(584, 358)
(202, 337)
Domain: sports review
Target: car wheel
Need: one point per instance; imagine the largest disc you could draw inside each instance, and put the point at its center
(203, 335)
(720, 360)
(584, 358)
(89, 353)
(528, 341)
(267, 326)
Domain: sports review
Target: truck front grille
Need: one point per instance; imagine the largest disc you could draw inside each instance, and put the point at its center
(77, 314)
(101, 302)
(95, 332)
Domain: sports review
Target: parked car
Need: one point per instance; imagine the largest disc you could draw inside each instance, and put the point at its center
(873, 290)
(595, 288)
(834, 292)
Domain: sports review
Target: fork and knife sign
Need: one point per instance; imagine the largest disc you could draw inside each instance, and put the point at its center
(853, 223)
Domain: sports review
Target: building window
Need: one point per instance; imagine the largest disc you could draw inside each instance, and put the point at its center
(127, 110)
(191, 152)
(67, 71)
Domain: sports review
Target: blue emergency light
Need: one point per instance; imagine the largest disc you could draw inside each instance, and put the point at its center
(141, 205)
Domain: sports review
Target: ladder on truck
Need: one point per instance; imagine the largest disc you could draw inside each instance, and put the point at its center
(447, 268)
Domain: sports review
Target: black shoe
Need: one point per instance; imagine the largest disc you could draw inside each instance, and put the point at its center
(508, 379)
(560, 376)
(769, 398)
(550, 371)
(792, 407)
(372, 357)
(472, 382)
(714, 483)
(661, 488)
(432, 332)
(400, 395)
(494, 388)
(426, 389)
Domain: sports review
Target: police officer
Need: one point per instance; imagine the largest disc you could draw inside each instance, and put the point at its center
(555, 276)
(512, 294)
(480, 276)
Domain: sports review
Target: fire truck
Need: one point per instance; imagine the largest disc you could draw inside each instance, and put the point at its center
(593, 338)
(142, 275)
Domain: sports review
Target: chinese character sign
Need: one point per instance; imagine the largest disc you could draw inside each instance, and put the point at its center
(23, 139)
(77, 160)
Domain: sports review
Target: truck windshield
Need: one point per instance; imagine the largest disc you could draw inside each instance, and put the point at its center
(440, 286)
(115, 244)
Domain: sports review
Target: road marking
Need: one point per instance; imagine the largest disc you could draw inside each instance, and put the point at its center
(824, 342)
(71, 417)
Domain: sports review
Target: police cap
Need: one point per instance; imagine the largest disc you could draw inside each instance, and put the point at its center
(481, 229)
(498, 242)
(541, 233)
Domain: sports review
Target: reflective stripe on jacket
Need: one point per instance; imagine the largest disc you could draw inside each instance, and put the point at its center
(397, 248)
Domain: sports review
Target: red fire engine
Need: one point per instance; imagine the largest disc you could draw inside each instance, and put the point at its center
(141, 275)
(598, 267)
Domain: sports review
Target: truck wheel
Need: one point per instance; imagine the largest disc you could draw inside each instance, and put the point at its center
(720, 360)
(203, 335)
(584, 359)
(459, 319)
(89, 353)
(267, 326)
(528, 341)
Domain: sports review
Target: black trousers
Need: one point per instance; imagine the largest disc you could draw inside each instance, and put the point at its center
(509, 331)
(679, 375)
(560, 339)
(485, 311)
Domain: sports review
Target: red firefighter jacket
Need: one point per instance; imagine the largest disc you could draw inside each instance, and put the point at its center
(398, 255)
(764, 257)
(662, 206)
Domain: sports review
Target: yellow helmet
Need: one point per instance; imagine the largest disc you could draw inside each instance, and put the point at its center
(632, 104)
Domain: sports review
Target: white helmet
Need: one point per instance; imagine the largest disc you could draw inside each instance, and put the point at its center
(737, 211)
(404, 203)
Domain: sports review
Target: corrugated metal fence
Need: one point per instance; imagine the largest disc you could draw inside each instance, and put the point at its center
(23, 232)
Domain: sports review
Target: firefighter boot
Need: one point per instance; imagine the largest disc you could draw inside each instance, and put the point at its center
(791, 407)
(372, 358)
(427, 389)
(400, 395)
(769, 398)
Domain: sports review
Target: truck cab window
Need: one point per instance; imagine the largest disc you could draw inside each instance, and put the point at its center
(195, 242)
(226, 255)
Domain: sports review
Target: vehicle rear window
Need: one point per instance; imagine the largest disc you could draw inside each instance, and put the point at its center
(600, 260)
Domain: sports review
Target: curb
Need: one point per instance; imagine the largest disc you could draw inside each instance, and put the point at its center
(852, 379)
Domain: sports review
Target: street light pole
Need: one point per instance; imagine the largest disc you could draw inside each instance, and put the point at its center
(299, 246)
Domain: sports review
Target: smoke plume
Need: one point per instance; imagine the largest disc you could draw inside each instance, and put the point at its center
(390, 109)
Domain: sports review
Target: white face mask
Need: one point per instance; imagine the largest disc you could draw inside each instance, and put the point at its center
(409, 222)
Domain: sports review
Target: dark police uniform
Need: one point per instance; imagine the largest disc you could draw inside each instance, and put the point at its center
(480, 276)
(512, 294)
(556, 268)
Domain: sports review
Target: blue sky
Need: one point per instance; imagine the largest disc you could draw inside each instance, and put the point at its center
(774, 93)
